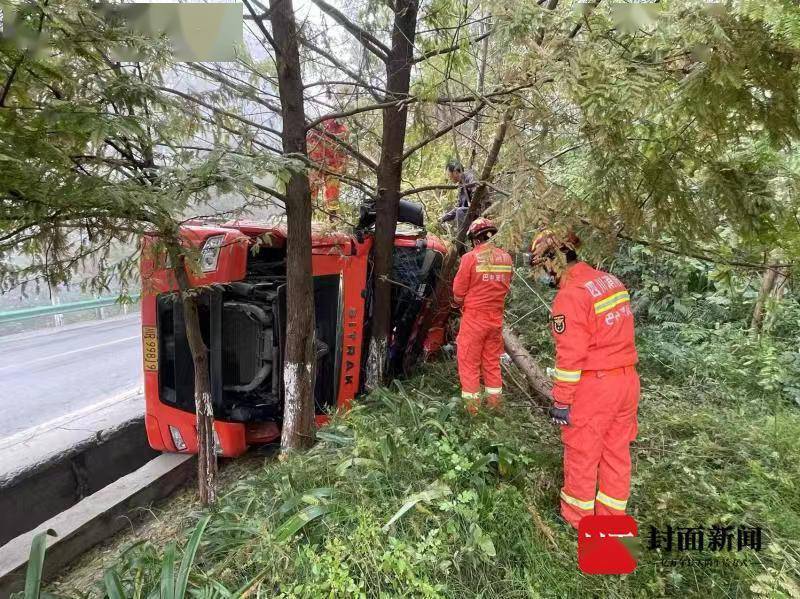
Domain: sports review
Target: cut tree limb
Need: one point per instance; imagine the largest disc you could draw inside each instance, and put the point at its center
(537, 378)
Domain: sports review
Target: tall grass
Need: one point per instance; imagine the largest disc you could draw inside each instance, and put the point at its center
(407, 496)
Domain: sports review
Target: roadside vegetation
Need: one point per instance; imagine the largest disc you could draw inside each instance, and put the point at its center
(406, 496)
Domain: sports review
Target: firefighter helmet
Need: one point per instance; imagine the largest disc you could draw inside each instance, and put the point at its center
(549, 250)
(480, 226)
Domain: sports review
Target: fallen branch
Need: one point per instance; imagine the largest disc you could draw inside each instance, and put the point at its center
(537, 378)
(545, 530)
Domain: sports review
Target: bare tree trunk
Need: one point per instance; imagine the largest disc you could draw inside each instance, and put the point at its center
(390, 169)
(538, 380)
(206, 445)
(768, 281)
(298, 369)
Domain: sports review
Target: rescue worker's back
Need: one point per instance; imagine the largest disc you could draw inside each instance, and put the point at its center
(483, 281)
(593, 325)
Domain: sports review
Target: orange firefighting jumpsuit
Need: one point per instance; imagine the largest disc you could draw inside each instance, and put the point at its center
(592, 326)
(480, 287)
(332, 160)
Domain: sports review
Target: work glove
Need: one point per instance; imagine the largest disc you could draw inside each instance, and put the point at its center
(559, 414)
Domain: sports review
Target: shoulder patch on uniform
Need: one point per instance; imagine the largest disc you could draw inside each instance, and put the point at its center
(559, 323)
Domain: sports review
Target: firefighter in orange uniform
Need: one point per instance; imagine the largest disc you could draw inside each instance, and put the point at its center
(332, 161)
(480, 289)
(596, 390)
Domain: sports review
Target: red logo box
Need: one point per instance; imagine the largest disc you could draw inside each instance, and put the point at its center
(601, 549)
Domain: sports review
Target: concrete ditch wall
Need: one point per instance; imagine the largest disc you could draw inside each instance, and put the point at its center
(34, 494)
(95, 518)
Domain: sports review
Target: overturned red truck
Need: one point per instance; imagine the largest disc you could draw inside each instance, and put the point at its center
(242, 306)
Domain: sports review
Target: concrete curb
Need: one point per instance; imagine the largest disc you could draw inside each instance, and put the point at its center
(55, 468)
(95, 518)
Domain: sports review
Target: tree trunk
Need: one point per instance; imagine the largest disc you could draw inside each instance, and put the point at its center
(538, 380)
(481, 86)
(390, 169)
(206, 445)
(298, 369)
(767, 285)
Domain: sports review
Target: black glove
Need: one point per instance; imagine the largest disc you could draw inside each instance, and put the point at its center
(559, 414)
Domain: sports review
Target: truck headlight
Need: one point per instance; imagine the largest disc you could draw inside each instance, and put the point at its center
(210, 253)
(177, 439)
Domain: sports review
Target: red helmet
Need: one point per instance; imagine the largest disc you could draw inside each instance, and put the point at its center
(549, 240)
(480, 225)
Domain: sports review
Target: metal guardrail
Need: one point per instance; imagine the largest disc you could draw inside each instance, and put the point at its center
(26, 313)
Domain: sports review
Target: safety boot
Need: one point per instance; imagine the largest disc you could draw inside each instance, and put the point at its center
(494, 402)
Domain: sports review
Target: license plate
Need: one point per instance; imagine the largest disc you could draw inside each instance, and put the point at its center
(150, 349)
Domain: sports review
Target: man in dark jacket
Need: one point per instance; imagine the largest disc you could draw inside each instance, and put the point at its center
(467, 183)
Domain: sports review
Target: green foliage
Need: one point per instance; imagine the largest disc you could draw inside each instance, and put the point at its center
(95, 152)
(437, 504)
(35, 569)
(682, 127)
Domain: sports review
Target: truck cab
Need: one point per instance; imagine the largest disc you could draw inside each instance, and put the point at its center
(242, 307)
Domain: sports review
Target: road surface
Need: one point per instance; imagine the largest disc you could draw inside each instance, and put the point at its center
(47, 374)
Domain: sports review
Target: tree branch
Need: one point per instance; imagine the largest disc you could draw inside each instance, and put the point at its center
(260, 24)
(239, 88)
(353, 111)
(342, 67)
(216, 110)
(453, 48)
(369, 41)
(444, 130)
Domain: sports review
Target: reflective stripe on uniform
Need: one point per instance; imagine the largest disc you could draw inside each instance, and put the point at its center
(611, 301)
(617, 504)
(494, 390)
(493, 268)
(468, 395)
(583, 505)
(567, 376)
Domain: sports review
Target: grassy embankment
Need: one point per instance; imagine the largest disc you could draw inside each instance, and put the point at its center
(406, 496)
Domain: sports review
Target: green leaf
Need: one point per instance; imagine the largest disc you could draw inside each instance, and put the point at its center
(387, 447)
(294, 524)
(113, 584)
(313, 496)
(483, 541)
(342, 468)
(168, 572)
(437, 425)
(33, 575)
(484, 461)
(188, 558)
(435, 491)
(333, 438)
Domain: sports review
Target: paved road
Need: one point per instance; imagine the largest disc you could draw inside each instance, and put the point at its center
(48, 374)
